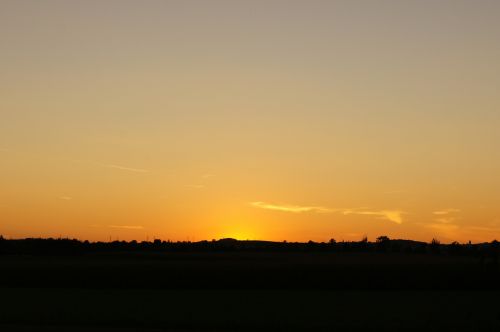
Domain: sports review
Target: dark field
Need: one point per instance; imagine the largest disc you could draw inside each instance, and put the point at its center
(247, 290)
(283, 310)
(250, 270)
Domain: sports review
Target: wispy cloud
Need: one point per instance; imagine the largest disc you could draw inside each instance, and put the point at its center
(123, 168)
(446, 228)
(391, 215)
(395, 216)
(119, 226)
(445, 212)
(484, 229)
(66, 198)
(113, 166)
(207, 176)
(390, 192)
(445, 220)
(195, 186)
(126, 226)
(290, 208)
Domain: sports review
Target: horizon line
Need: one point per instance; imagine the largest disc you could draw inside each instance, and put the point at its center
(240, 240)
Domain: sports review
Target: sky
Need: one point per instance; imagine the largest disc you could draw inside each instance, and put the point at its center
(277, 120)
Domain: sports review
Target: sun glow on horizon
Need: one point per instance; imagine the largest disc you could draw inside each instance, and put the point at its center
(269, 120)
(241, 232)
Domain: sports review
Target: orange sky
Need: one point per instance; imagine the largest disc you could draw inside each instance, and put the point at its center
(296, 120)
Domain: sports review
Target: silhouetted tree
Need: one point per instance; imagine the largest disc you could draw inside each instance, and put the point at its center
(382, 243)
(435, 246)
(455, 248)
(495, 245)
(382, 238)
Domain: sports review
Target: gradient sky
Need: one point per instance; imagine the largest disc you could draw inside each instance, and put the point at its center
(296, 120)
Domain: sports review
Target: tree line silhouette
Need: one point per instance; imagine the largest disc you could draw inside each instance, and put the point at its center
(486, 252)
(384, 264)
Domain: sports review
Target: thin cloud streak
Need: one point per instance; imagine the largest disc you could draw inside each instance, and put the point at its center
(445, 212)
(484, 229)
(123, 168)
(447, 229)
(394, 192)
(290, 208)
(126, 226)
(195, 186)
(390, 215)
(66, 198)
(119, 226)
(445, 222)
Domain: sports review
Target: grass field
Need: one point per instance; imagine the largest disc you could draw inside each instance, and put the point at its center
(247, 291)
(250, 309)
(293, 271)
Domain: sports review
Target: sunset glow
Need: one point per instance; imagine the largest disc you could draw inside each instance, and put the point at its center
(274, 120)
